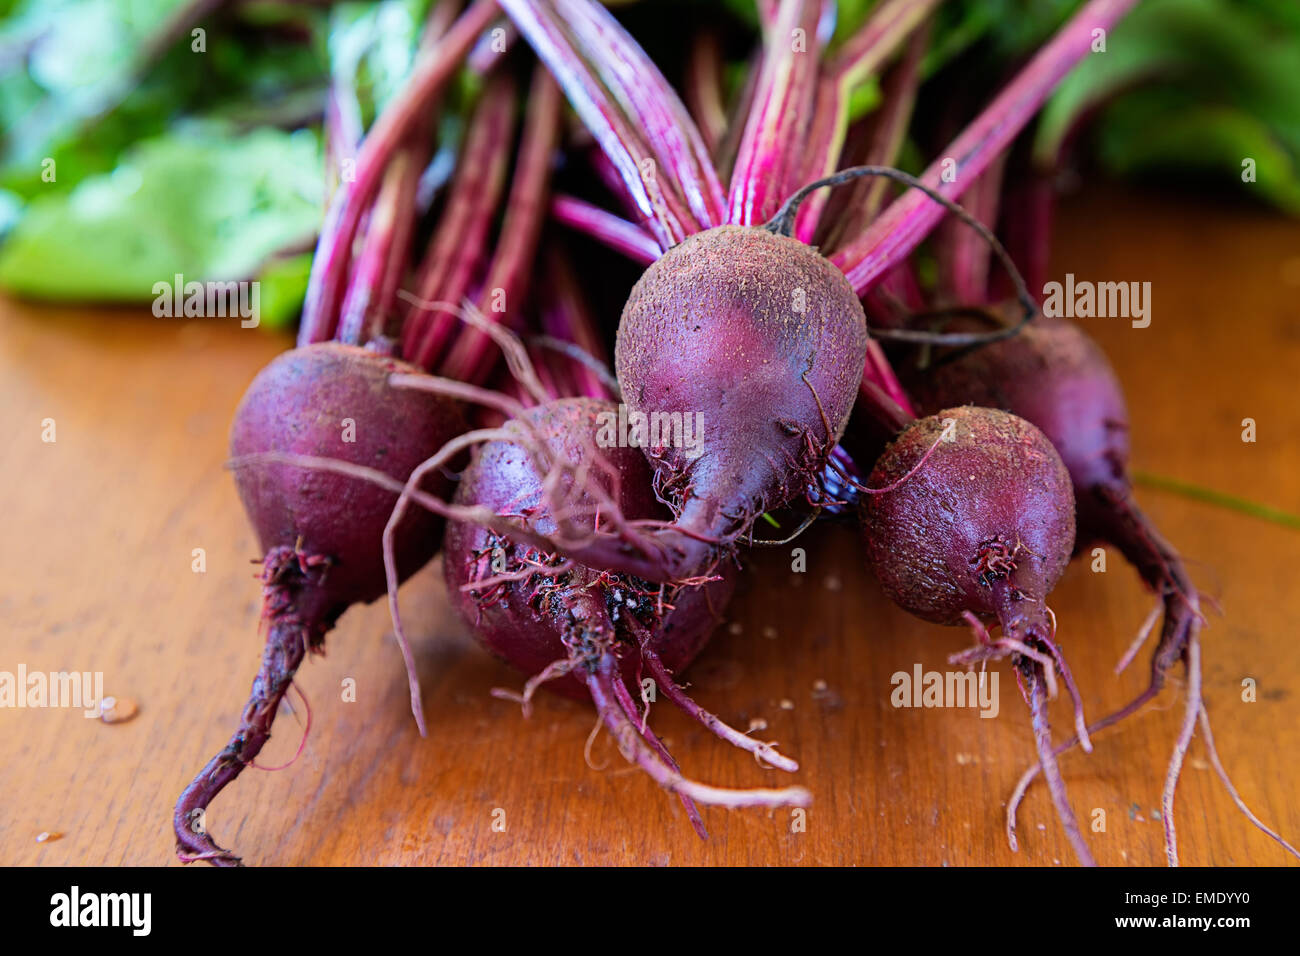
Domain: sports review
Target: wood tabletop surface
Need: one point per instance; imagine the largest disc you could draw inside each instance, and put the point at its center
(97, 550)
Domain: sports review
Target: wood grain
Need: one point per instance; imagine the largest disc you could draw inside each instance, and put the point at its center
(96, 555)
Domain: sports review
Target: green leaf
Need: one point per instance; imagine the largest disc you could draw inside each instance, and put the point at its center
(1191, 84)
(78, 59)
(283, 288)
(201, 203)
(92, 78)
(372, 47)
(1212, 140)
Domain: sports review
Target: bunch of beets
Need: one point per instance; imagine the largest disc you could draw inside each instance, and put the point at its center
(783, 313)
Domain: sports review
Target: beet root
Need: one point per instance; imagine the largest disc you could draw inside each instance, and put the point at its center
(1054, 375)
(969, 517)
(588, 632)
(763, 339)
(321, 531)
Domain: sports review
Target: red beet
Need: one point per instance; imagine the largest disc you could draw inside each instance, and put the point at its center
(1054, 375)
(989, 517)
(321, 531)
(762, 337)
(588, 632)
(970, 518)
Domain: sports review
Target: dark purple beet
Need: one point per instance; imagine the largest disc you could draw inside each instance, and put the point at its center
(980, 527)
(321, 531)
(601, 630)
(1054, 375)
(528, 627)
(298, 405)
(990, 515)
(764, 337)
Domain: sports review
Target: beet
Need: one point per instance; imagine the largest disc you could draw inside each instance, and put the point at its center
(1054, 375)
(587, 632)
(969, 517)
(321, 532)
(764, 338)
(989, 518)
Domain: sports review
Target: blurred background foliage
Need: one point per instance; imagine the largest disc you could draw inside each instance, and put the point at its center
(133, 148)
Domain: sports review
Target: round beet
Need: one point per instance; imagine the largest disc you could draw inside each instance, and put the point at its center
(1053, 374)
(764, 339)
(969, 517)
(334, 401)
(528, 627)
(985, 526)
(321, 531)
(587, 632)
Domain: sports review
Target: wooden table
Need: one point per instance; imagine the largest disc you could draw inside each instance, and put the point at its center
(97, 551)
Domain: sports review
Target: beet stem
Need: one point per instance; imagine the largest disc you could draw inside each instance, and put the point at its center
(905, 223)
(861, 56)
(610, 230)
(434, 69)
(506, 282)
(785, 93)
(456, 249)
(885, 135)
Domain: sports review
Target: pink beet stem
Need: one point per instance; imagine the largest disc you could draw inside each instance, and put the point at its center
(370, 302)
(433, 69)
(605, 227)
(473, 355)
(456, 248)
(766, 164)
(862, 55)
(369, 296)
(909, 219)
(607, 120)
(880, 373)
(652, 103)
(342, 132)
